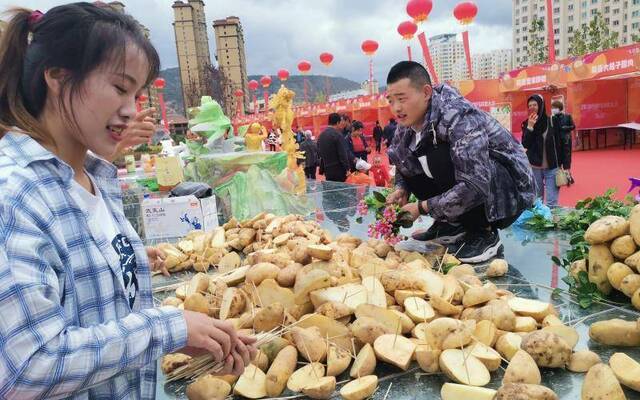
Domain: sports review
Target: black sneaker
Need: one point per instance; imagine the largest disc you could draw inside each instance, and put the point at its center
(477, 247)
(441, 232)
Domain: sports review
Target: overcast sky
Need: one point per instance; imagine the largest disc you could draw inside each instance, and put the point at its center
(280, 33)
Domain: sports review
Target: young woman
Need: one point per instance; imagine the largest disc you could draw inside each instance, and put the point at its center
(75, 289)
(545, 150)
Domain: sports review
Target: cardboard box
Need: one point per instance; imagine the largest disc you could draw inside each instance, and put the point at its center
(174, 217)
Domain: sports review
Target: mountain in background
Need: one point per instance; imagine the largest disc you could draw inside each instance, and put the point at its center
(315, 87)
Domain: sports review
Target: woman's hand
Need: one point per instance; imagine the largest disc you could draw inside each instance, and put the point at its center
(209, 335)
(531, 122)
(156, 260)
(138, 131)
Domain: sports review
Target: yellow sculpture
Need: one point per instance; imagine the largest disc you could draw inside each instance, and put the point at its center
(283, 116)
(254, 137)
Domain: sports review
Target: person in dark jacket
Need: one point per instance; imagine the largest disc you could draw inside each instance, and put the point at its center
(467, 171)
(310, 155)
(389, 131)
(377, 136)
(565, 122)
(357, 143)
(332, 149)
(545, 149)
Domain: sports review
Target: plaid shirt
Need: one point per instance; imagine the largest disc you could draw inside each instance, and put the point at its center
(66, 327)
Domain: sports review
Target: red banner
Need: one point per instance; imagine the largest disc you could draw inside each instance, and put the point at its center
(427, 57)
(608, 63)
(535, 77)
(551, 39)
(598, 104)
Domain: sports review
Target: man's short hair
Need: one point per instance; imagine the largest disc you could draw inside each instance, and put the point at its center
(557, 104)
(412, 70)
(357, 125)
(334, 118)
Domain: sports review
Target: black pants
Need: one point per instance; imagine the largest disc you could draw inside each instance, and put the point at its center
(442, 170)
(310, 172)
(272, 147)
(335, 173)
(378, 145)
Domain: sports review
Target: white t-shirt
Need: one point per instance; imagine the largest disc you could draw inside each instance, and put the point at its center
(423, 159)
(103, 220)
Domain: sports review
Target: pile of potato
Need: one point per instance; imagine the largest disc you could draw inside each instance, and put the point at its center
(614, 255)
(219, 248)
(349, 305)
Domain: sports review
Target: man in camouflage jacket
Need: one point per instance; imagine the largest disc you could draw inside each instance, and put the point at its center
(468, 171)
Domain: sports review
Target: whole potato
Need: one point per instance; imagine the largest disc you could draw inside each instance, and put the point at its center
(623, 247)
(617, 272)
(496, 311)
(547, 349)
(606, 229)
(633, 261)
(634, 224)
(630, 284)
(498, 267)
(582, 360)
(600, 259)
(615, 332)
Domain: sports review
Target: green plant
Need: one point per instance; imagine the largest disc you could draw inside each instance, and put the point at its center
(537, 46)
(577, 222)
(593, 37)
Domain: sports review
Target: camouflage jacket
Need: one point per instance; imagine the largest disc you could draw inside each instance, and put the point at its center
(491, 167)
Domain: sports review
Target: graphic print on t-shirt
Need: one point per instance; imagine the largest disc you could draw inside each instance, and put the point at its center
(128, 264)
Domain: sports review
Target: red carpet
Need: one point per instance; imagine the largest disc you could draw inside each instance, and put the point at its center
(595, 171)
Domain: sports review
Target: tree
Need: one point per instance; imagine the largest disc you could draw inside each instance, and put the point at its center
(593, 37)
(635, 37)
(537, 51)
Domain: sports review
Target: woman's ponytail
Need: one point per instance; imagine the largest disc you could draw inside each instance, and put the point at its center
(14, 43)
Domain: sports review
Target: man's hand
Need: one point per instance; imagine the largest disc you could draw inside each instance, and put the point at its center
(156, 260)
(138, 131)
(399, 197)
(412, 209)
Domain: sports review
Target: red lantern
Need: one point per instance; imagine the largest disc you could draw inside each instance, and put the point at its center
(283, 75)
(238, 93)
(465, 12)
(326, 59)
(253, 85)
(407, 29)
(369, 47)
(304, 66)
(159, 83)
(265, 81)
(419, 10)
